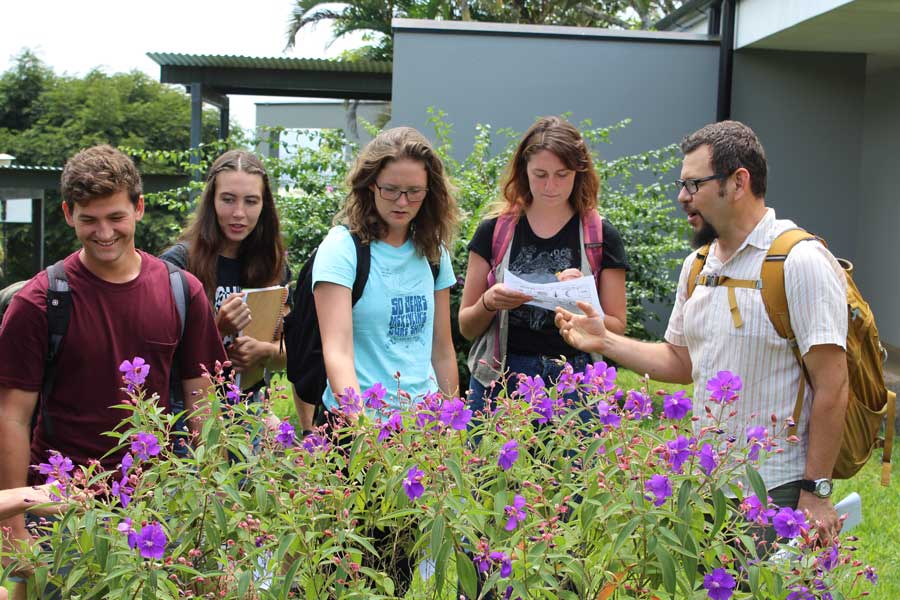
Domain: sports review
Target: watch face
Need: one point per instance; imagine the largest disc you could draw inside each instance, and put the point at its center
(823, 488)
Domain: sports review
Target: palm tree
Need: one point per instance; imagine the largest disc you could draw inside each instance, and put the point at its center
(373, 17)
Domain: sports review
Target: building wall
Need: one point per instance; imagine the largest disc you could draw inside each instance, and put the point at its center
(508, 75)
(807, 109)
(876, 201)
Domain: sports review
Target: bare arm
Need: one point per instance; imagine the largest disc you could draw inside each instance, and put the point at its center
(443, 355)
(661, 360)
(306, 412)
(479, 305)
(827, 368)
(612, 300)
(16, 408)
(334, 308)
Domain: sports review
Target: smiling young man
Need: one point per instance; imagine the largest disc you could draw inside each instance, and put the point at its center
(720, 328)
(122, 306)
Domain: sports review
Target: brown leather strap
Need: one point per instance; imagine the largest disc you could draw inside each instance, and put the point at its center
(889, 427)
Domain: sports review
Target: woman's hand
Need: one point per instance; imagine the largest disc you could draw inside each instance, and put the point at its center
(500, 297)
(246, 352)
(568, 274)
(233, 315)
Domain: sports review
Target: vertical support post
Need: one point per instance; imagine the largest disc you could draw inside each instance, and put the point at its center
(37, 234)
(223, 120)
(726, 61)
(196, 128)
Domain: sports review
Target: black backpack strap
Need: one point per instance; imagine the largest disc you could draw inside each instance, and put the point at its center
(435, 269)
(363, 262)
(59, 311)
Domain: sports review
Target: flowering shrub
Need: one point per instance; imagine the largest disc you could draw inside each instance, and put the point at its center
(633, 503)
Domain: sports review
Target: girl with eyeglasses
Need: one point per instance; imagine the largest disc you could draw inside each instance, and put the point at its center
(398, 333)
(549, 196)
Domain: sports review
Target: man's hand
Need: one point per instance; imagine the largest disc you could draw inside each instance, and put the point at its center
(585, 332)
(246, 352)
(233, 315)
(821, 514)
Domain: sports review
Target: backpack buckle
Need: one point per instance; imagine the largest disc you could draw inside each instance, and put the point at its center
(708, 280)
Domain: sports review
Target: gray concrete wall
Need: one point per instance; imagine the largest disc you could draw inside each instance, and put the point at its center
(507, 75)
(807, 108)
(877, 203)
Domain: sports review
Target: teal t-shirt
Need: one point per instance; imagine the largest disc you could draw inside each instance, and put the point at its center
(393, 321)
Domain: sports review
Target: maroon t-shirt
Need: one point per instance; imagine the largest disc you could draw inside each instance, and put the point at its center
(109, 323)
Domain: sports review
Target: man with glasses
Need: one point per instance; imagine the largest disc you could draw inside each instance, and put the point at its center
(721, 328)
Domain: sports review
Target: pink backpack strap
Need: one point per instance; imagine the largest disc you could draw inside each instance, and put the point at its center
(503, 235)
(592, 225)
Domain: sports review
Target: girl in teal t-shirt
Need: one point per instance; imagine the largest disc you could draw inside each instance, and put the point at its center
(400, 205)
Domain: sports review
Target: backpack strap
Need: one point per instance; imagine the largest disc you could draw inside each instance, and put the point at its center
(502, 237)
(363, 262)
(59, 312)
(592, 232)
(696, 267)
(180, 293)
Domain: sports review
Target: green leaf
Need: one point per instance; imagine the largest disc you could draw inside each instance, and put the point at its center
(667, 567)
(719, 507)
(465, 573)
(437, 534)
(757, 483)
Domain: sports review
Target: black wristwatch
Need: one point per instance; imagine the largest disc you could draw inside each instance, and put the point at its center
(820, 487)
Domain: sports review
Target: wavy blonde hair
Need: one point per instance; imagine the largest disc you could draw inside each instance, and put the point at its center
(563, 139)
(435, 223)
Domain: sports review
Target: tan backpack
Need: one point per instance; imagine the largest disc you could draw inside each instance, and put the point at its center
(870, 401)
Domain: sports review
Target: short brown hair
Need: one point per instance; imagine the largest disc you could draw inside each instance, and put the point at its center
(732, 145)
(99, 172)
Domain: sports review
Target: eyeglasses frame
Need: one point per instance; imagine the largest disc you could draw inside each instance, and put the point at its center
(401, 192)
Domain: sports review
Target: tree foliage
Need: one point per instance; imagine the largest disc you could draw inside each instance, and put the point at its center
(373, 17)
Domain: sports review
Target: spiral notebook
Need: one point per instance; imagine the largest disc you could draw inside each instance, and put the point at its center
(266, 310)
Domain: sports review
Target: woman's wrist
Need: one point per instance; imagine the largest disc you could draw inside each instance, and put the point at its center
(485, 304)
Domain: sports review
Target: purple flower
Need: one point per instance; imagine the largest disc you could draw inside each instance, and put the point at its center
(871, 575)
(124, 526)
(679, 452)
(599, 378)
(505, 563)
(134, 372)
(789, 523)
(830, 558)
(719, 585)
(800, 592)
(568, 380)
(151, 541)
(516, 513)
(455, 414)
(509, 453)
(233, 394)
(707, 458)
(758, 438)
(285, 435)
(374, 397)
(531, 388)
(755, 512)
(428, 409)
(350, 402)
(412, 485)
(608, 415)
(677, 405)
(660, 487)
(482, 562)
(145, 445)
(638, 405)
(59, 468)
(314, 443)
(122, 491)
(723, 387)
(543, 406)
(394, 423)
(127, 462)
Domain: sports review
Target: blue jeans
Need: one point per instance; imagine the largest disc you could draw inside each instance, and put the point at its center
(548, 367)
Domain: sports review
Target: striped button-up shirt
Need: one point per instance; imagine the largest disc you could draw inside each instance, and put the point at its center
(816, 291)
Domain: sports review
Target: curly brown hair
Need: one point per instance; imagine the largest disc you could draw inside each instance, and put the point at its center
(434, 225)
(98, 172)
(263, 246)
(562, 139)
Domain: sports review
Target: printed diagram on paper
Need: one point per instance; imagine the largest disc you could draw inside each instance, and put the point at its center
(558, 293)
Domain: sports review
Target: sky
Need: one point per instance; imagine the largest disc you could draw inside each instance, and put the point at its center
(115, 35)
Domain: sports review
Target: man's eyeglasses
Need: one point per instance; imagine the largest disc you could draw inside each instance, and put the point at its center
(692, 185)
(392, 194)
